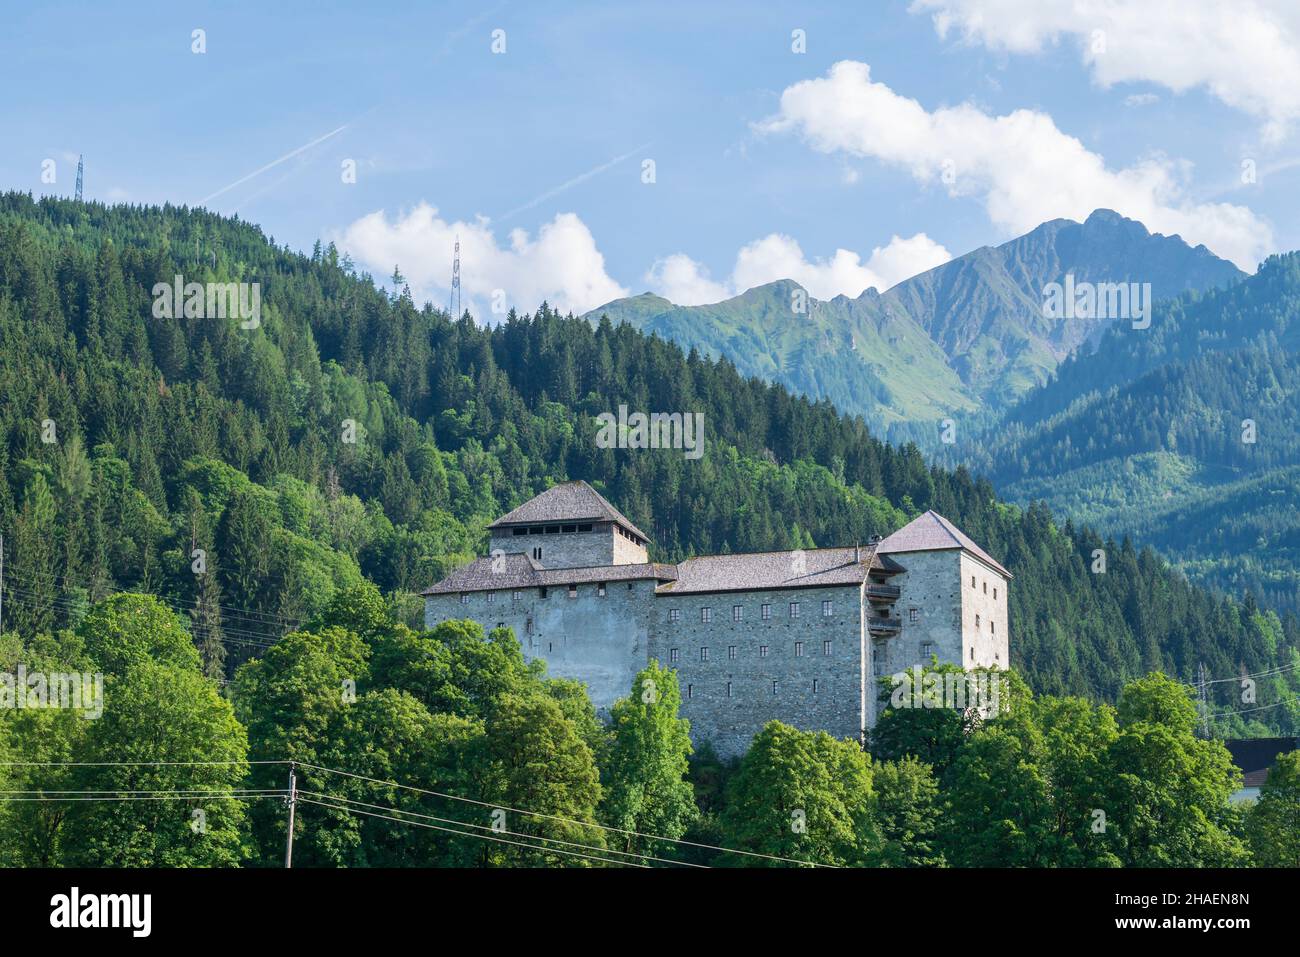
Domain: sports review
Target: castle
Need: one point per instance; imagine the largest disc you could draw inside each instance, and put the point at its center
(800, 636)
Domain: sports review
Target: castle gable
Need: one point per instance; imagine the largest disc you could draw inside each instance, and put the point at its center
(567, 502)
(931, 532)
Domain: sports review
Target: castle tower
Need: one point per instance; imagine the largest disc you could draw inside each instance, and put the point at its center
(569, 526)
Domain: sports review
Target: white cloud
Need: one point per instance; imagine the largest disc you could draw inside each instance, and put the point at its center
(685, 282)
(1021, 166)
(1140, 99)
(1244, 52)
(561, 265)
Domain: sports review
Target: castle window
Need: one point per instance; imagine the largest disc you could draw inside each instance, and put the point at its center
(600, 589)
(993, 627)
(913, 614)
(972, 581)
(977, 621)
(735, 612)
(629, 586)
(528, 628)
(704, 654)
(762, 651)
(690, 691)
(995, 594)
(728, 689)
(517, 596)
(767, 612)
(827, 609)
(552, 529)
(491, 596)
(674, 654)
(464, 598)
(798, 649)
(550, 646)
(816, 686)
(674, 614)
(774, 686)
(731, 651)
(535, 530)
(927, 649)
(520, 531)
(706, 614)
(877, 667)
(584, 528)
(573, 591)
(986, 588)
(569, 528)
(537, 554)
(794, 609)
(826, 648)
(541, 591)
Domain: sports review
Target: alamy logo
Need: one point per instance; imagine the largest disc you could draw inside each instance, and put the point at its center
(134, 911)
(209, 300)
(24, 690)
(1102, 300)
(951, 690)
(658, 430)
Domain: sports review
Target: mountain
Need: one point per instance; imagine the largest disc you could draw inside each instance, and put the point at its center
(353, 435)
(1186, 434)
(966, 335)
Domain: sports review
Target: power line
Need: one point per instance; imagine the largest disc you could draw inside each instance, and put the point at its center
(603, 827)
(480, 837)
(484, 827)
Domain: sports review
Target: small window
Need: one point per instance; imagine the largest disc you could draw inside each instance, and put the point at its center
(600, 589)
(569, 528)
(993, 627)
(798, 649)
(775, 686)
(731, 651)
(972, 581)
(552, 529)
(977, 621)
(491, 596)
(995, 594)
(464, 598)
(584, 528)
(528, 626)
(541, 591)
(728, 689)
(706, 614)
(826, 648)
(972, 652)
(690, 691)
(767, 612)
(794, 609)
(535, 530)
(816, 686)
(927, 649)
(517, 596)
(986, 588)
(674, 654)
(736, 612)
(537, 554)
(762, 651)
(674, 614)
(827, 609)
(520, 531)
(550, 646)
(704, 654)
(573, 591)
(913, 614)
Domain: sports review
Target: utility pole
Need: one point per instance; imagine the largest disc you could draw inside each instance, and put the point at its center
(293, 799)
(1202, 696)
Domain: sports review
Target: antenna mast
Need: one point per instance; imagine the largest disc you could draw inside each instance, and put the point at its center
(81, 166)
(453, 305)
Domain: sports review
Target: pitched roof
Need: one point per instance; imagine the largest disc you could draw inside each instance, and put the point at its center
(1255, 757)
(932, 532)
(520, 571)
(567, 502)
(756, 571)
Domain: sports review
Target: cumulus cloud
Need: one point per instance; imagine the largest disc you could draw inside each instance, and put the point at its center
(1021, 166)
(1246, 53)
(685, 282)
(560, 265)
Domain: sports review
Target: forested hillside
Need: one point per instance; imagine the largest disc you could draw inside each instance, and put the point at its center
(130, 442)
(1183, 434)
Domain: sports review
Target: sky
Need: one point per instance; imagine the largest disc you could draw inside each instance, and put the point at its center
(586, 151)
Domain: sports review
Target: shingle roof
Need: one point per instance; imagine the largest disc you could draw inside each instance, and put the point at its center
(520, 571)
(1256, 756)
(757, 571)
(932, 532)
(567, 502)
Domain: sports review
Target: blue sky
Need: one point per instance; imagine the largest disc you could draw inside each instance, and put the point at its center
(767, 162)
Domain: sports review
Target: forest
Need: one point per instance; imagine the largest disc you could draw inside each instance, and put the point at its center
(245, 477)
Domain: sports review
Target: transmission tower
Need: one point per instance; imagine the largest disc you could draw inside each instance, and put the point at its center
(453, 306)
(81, 166)
(1203, 698)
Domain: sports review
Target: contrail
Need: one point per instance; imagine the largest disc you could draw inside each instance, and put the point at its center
(573, 182)
(258, 172)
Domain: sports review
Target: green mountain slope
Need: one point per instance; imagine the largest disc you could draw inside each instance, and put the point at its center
(964, 335)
